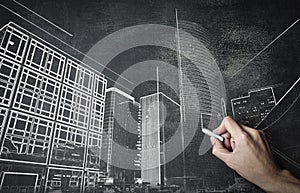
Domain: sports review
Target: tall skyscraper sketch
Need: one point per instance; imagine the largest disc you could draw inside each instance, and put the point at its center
(252, 108)
(120, 152)
(160, 121)
(52, 108)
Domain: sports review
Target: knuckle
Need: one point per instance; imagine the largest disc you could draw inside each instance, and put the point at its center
(227, 119)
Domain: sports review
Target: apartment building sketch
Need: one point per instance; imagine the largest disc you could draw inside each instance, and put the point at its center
(51, 117)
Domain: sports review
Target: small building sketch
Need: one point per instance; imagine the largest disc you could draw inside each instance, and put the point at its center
(251, 109)
(51, 117)
(120, 153)
(159, 115)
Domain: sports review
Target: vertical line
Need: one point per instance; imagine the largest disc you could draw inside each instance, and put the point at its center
(182, 117)
(158, 128)
(157, 80)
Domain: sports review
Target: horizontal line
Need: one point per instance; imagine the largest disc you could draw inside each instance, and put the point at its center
(43, 18)
(21, 161)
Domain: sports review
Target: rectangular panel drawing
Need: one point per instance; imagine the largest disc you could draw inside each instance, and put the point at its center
(78, 77)
(74, 107)
(100, 86)
(8, 77)
(3, 116)
(94, 151)
(13, 44)
(68, 146)
(97, 116)
(44, 59)
(27, 138)
(37, 94)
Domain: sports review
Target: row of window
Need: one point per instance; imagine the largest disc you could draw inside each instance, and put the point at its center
(39, 94)
(43, 59)
(31, 136)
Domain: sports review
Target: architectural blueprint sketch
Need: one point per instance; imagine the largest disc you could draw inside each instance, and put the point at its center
(112, 95)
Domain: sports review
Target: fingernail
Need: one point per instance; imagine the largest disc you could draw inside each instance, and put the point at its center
(212, 140)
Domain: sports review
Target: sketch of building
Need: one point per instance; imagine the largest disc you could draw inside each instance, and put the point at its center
(251, 109)
(51, 118)
(121, 137)
(160, 120)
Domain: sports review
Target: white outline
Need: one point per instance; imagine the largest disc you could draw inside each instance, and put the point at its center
(114, 89)
(31, 121)
(23, 39)
(12, 80)
(20, 173)
(249, 95)
(93, 97)
(163, 95)
(48, 55)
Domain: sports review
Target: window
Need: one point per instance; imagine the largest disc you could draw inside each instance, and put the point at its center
(37, 94)
(27, 135)
(97, 116)
(13, 44)
(78, 77)
(100, 87)
(74, 107)
(45, 60)
(8, 78)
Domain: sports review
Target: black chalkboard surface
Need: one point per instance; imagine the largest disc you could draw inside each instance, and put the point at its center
(112, 95)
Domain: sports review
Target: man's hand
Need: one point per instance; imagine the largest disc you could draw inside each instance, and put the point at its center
(247, 151)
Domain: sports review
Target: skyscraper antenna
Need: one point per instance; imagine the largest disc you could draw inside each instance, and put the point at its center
(182, 113)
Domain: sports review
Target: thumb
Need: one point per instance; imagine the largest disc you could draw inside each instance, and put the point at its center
(219, 150)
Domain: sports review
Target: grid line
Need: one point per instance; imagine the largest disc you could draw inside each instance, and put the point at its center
(78, 77)
(13, 44)
(8, 77)
(44, 59)
(27, 135)
(37, 94)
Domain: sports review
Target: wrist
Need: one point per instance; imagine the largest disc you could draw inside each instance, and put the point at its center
(280, 181)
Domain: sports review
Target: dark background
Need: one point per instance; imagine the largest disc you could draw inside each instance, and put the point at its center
(238, 30)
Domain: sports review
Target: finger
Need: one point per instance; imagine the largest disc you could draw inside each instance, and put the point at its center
(229, 125)
(226, 142)
(219, 150)
(232, 144)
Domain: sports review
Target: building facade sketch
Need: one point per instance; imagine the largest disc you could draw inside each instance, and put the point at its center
(52, 109)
